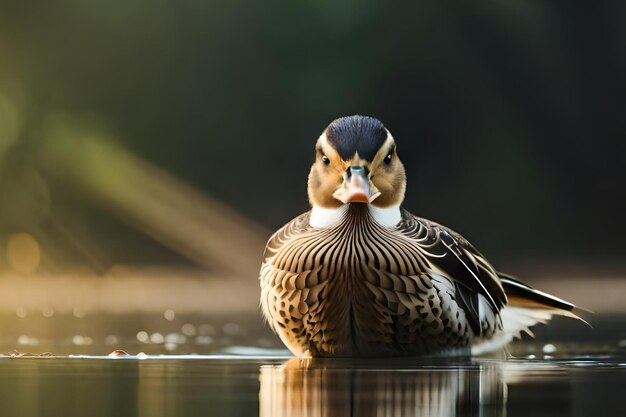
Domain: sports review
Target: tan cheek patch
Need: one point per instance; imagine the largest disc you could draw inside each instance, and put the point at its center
(323, 181)
(383, 181)
(391, 185)
(315, 179)
(332, 182)
(324, 194)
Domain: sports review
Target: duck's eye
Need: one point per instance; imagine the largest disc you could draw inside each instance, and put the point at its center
(387, 159)
(325, 160)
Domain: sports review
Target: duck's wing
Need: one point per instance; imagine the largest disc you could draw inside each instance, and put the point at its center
(522, 296)
(526, 307)
(451, 255)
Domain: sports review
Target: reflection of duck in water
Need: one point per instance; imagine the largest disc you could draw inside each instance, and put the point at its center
(357, 275)
(317, 387)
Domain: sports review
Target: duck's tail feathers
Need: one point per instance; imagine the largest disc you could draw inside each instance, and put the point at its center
(525, 308)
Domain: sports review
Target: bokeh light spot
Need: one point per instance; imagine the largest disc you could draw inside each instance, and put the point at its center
(157, 338)
(143, 336)
(79, 313)
(169, 315)
(188, 329)
(23, 253)
(80, 340)
(27, 340)
(21, 312)
(111, 340)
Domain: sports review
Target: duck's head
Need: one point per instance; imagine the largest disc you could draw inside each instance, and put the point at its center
(356, 162)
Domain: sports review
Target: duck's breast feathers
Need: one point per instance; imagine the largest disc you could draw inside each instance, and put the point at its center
(295, 227)
(446, 252)
(452, 255)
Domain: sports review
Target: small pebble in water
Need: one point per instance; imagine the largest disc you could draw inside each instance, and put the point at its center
(169, 314)
(549, 348)
(21, 312)
(142, 355)
(15, 354)
(170, 346)
(530, 357)
(48, 312)
(117, 353)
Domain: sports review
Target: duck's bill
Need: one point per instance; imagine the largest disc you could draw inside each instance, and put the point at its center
(356, 189)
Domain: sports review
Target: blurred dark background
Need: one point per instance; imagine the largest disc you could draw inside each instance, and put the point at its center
(148, 149)
(510, 116)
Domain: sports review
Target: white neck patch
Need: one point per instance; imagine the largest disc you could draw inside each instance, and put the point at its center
(327, 217)
(387, 217)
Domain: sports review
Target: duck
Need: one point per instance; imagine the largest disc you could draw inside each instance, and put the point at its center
(360, 276)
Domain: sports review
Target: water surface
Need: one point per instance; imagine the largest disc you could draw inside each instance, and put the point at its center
(231, 385)
(207, 365)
